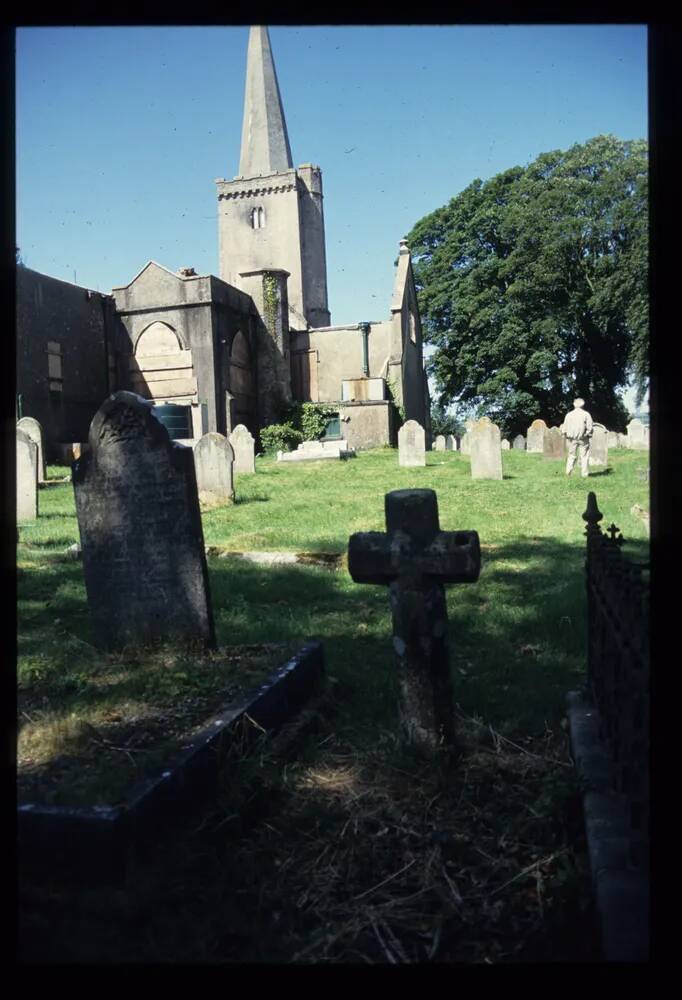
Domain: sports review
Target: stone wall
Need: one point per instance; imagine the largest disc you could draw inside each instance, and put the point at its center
(369, 424)
(82, 323)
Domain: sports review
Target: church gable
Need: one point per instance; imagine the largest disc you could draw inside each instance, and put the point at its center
(153, 285)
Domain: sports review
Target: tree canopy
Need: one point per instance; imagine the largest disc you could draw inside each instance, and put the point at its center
(533, 286)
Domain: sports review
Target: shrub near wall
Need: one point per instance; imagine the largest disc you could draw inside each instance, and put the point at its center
(306, 422)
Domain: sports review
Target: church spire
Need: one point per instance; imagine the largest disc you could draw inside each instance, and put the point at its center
(265, 143)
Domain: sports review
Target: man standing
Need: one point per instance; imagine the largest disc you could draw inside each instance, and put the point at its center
(577, 429)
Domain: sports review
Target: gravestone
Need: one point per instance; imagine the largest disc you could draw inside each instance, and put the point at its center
(638, 434)
(26, 477)
(599, 450)
(244, 448)
(450, 442)
(519, 443)
(535, 438)
(612, 439)
(439, 444)
(554, 444)
(411, 444)
(144, 561)
(465, 443)
(486, 452)
(414, 558)
(504, 444)
(213, 463)
(30, 426)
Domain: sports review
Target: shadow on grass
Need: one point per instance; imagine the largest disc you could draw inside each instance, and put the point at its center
(603, 472)
(253, 499)
(517, 636)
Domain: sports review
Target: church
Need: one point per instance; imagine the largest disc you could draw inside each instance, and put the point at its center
(240, 347)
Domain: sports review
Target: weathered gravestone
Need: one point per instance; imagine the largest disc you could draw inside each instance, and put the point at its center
(554, 444)
(450, 442)
(439, 443)
(638, 434)
(535, 438)
(485, 450)
(140, 530)
(411, 444)
(465, 443)
(414, 558)
(505, 445)
(519, 443)
(30, 426)
(213, 462)
(27, 477)
(599, 450)
(244, 447)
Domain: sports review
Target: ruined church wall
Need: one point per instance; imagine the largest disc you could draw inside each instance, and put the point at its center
(82, 322)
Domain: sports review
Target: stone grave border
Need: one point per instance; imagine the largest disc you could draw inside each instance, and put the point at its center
(621, 894)
(95, 843)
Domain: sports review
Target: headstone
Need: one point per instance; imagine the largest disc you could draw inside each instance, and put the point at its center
(519, 443)
(450, 442)
(439, 444)
(30, 426)
(612, 439)
(244, 447)
(535, 439)
(465, 443)
(415, 559)
(411, 444)
(554, 444)
(638, 434)
(504, 444)
(599, 449)
(486, 453)
(144, 561)
(213, 463)
(27, 477)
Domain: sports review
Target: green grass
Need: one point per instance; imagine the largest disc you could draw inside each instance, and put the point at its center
(517, 636)
(501, 823)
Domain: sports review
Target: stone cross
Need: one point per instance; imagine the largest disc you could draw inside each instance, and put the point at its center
(213, 461)
(138, 513)
(244, 447)
(30, 426)
(411, 444)
(27, 477)
(414, 558)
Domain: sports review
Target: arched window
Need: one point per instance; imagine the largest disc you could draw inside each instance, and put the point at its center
(257, 218)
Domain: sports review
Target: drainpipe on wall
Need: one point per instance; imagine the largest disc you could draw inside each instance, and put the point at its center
(365, 347)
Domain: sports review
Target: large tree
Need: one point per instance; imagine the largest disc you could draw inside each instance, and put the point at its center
(533, 286)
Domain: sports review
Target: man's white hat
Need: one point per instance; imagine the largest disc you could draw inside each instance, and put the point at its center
(578, 402)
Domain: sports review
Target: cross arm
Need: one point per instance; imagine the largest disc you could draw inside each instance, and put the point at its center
(371, 559)
(450, 557)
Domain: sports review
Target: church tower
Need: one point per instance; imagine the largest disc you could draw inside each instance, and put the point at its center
(270, 216)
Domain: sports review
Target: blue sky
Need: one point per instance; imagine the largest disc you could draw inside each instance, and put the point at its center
(121, 133)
